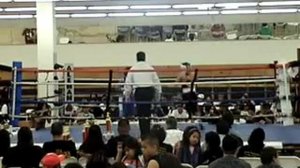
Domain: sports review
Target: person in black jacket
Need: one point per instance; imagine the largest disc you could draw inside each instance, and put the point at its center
(4, 142)
(255, 144)
(25, 154)
(161, 134)
(213, 150)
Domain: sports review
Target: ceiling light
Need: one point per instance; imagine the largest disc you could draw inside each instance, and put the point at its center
(62, 15)
(279, 3)
(163, 13)
(1, 9)
(125, 14)
(108, 7)
(35, 0)
(19, 9)
(87, 15)
(200, 13)
(5, 0)
(229, 12)
(61, 8)
(16, 16)
(197, 6)
(236, 5)
(150, 7)
(278, 11)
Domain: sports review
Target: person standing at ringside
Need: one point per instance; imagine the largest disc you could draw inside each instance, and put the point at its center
(188, 96)
(145, 86)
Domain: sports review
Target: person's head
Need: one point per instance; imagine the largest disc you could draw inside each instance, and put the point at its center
(150, 146)
(57, 129)
(94, 141)
(268, 155)
(42, 106)
(73, 165)
(5, 141)
(25, 137)
(171, 123)
(191, 136)
(222, 127)
(159, 132)
(69, 107)
(186, 66)
(264, 24)
(180, 108)
(141, 56)
(123, 127)
(51, 160)
(98, 159)
(256, 139)
(132, 148)
(212, 140)
(230, 144)
(228, 117)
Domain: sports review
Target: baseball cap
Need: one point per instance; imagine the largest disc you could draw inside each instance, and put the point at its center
(52, 160)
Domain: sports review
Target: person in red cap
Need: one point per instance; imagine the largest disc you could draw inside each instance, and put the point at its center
(52, 160)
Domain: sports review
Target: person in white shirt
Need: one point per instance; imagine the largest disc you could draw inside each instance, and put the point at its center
(144, 86)
(174, 135)
(3, 113)
(179, 112)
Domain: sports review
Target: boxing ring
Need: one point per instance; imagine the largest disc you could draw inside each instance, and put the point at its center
(283, 133)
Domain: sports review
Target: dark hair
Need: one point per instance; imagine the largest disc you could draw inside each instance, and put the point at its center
(159, 132)
(187, 133)
(228, 117)
(229, 144)
(40, 105)
(25, 137)
(171, 123)
(141, 56)
(5, 142)
(57, 129)
(94, 141)
(123, 122)
(73, 165)
(133, 143)
(222, 127)
(264, 24)
(98, 159)
(118, 165)
(213, 140)
(151, 140)
(256, 139)
(267, 155)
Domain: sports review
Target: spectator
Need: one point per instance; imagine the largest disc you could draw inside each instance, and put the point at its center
(268, 158)
(255, 144)
(93, 143)
(179, 112)
(230, 146)
(5, 142)
(118, 165)
(223, 129)
(58, 145)
(123, 130)
(3, 112)
(265, 30)
(150, 146)
(160, 133)
(265, 110)
(42, 110)
(213, 150)
(169, 38)
(189, 150)
(174, 135)
(98, 160)
(25, 154)
(132, 153)
(51, 160)
(73, 165)
(228, 117)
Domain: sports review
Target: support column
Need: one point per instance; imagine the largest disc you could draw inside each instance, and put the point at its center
(46, 45)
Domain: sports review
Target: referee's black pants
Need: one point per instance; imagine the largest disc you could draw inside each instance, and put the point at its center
(144, 94)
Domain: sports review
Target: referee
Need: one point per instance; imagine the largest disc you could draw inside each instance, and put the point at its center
(143, 86)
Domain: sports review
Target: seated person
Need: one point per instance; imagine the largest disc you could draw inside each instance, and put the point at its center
(51, 160)
(160, 133)
(25, 154)
(98, 160)
(255, 144)
(69, 111)
(247, 113)
(3, 112)
(179, 112)
(174, 135)
(42, 110)
(5, 142)
(58, 145)
(213, 150)
(265, 110)
(154, 158)
(268, 158)
(85, 113)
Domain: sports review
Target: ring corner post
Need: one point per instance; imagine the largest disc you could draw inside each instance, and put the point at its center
(17, 92)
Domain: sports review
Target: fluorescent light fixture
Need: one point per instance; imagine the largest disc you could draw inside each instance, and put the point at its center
(150, 7)
(278, 11)
(125, 14)
(19, 9)
(16, 16)
(191, 6)
(200, 12)
(87, 15)
(236, 5)
(230, 12)
(279, 3)
(62, 15)
(36, 0)
(5, 0)
(61, 8)
(108, 7)
(163, 13)
(1, 9)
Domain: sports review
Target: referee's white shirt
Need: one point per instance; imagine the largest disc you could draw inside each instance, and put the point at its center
(141, 79)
